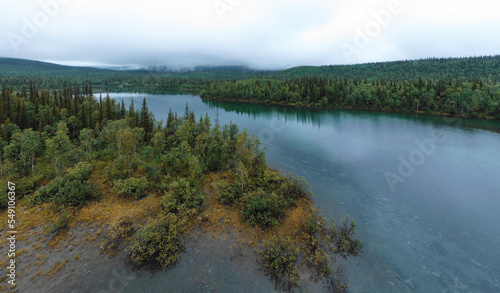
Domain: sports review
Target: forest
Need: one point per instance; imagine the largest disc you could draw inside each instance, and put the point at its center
(66, 149)
(460, 86)
(473, 98)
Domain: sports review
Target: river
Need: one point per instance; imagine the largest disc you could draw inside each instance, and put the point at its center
(424, 190)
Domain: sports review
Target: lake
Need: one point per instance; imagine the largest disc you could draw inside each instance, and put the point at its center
(424, 190)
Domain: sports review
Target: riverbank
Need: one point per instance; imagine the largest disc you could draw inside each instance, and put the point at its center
(78, 257)
(97, 238)
(313, 107)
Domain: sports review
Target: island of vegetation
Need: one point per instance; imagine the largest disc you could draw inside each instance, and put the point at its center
(82, 162)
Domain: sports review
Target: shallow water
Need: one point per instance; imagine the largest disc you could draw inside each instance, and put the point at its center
(431, 226)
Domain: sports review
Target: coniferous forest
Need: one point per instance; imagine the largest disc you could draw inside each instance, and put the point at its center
(472, 98)
(68, 149)
(68, 146)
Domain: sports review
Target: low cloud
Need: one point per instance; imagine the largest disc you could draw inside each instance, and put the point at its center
(260, 34)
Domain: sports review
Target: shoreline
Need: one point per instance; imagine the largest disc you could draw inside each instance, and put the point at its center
(311, 107)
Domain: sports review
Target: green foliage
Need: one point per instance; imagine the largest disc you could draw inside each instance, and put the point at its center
(323, 242)
(471, 97)
(60, 150)
(294, 188)
(311, 224)
(226, 193)
(263, 208)
(23, 148)
(346, 243)
(279, 261)
(323, 102)
(28, 185)
(159, 241)
(73, 188)
(88, 142)
(131, 187)
(60, 223)
(183, 197)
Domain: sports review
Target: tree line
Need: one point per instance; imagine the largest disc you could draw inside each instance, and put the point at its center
(473, 98)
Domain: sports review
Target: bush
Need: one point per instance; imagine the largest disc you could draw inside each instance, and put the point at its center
(160, 240)
(279, 260)
(73, 188)
(27, 185)
(344, 237)
(60, 223)
(260, 207)
(227, 193)
(183, 197)
(74, 192)
(131, 187)
(311, 225)
(46, 193)
(294, 188)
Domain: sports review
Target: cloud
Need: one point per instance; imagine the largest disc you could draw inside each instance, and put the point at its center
(261, 34)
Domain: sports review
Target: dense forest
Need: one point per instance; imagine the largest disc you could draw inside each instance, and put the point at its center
(67, 148)
(19, 73)
(485, 68)
(472, 98)
(463, 86)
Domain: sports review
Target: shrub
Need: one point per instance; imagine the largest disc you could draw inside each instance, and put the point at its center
(311, 225)
(182, 196)
(131, 187)
(344, 237)
(279, 261)
(160, 240)
(323, 102)
(227, 193)
(294, 188)
(74, 192)
(260, 207)
(46, 193)
(73, 188)
(60, 223)
(27, 185)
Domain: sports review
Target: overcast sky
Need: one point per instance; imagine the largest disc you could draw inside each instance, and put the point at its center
(257, 33)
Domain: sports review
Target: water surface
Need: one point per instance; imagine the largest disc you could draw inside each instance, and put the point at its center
(424, 191)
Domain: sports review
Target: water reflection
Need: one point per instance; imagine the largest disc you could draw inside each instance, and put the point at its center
(438, 231)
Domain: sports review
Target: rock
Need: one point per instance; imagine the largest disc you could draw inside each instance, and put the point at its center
(410, 284)
(475, 262)
(391, 283)
(436, 274)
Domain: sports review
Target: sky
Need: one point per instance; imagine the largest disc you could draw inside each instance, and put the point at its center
(259, 34)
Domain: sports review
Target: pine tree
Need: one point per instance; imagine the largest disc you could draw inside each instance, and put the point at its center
(122, 111)
(145, 120)
(131, 115)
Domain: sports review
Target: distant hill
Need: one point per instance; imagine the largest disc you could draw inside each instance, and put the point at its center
(486, 68)
(18, 73)
(22, 67)
(12, 66)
